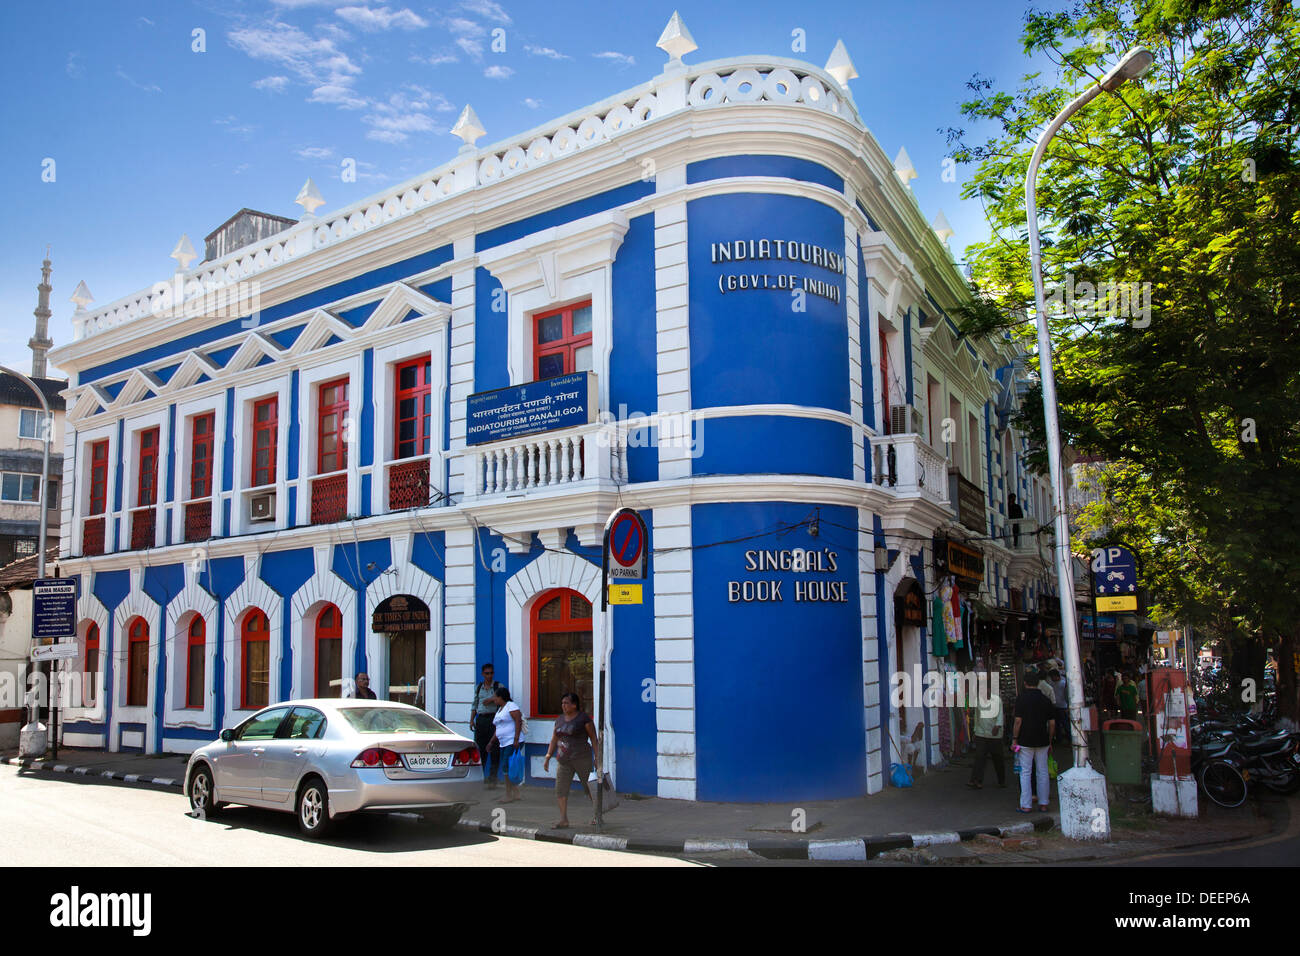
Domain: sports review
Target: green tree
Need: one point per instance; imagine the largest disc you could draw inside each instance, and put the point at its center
(1184, 184)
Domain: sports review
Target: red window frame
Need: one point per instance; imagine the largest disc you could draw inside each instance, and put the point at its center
(566, 345)
(265, 435)
(332, 631)
(197, 638)
(147, 479)
(203, 436)
(884, 383)
(537, 627)
(91, 668)
(98, 477)
(331, 422)
(421, 409)
(255, 629)
(137, 631)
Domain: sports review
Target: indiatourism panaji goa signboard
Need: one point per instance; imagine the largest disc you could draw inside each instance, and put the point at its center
(560, 402)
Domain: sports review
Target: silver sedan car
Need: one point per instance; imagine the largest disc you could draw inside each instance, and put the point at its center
(325, 759)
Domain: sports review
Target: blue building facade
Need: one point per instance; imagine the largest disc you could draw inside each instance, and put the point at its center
(270, 487)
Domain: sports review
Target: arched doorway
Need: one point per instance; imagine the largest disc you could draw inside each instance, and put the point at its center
(405, 619)
(328, 672)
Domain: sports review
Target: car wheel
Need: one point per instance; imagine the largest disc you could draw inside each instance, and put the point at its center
(313, 808)
(202, 791)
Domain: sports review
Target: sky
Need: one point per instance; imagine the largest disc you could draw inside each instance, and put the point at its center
(130, 123)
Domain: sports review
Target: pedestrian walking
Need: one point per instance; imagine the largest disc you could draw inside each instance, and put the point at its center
(1061, 689)
(361, 687)
(1108, 691)
(508, 725)
(1127, 696)
(988, 738)
(576, 751)
(480, 721)
(1031, 738)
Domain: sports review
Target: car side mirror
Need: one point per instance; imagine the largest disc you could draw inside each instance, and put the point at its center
(227, 735)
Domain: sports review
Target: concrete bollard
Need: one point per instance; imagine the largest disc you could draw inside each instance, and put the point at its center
(1085, 811)
(32, 740)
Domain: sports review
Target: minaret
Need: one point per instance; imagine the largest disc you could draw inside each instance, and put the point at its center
(41, 343)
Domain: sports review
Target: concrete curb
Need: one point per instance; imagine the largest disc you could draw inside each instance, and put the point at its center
(42, 763)
(850, 849)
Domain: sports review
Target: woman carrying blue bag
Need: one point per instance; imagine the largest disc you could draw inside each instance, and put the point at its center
(509, 726)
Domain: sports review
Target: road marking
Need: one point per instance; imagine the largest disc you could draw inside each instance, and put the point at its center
(599, 841)
(934, 839)
(714, 846)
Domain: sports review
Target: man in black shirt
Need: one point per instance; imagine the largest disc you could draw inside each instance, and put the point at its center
(1032, 732)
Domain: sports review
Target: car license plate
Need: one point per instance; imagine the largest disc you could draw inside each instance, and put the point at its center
(427, 761)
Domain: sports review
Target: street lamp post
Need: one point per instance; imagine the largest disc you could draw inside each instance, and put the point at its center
(32, 741)
(1080, 818)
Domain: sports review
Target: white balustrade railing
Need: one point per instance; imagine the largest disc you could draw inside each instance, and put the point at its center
(706, 86)
(907, 465)
(546, 460)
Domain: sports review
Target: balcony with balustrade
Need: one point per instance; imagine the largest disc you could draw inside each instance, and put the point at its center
(572, 460)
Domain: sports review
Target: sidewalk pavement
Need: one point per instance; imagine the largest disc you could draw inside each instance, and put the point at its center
(939, 820)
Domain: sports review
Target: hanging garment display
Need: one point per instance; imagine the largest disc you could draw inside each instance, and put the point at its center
(938, 629)
(953, 614)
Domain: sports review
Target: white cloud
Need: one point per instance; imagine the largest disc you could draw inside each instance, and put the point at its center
(621, 58)
(438, 59)
(73, 68)
(532, 104)
(498, 72)
(276, 84)
(147, 87)
(381, 18)
(386, 136)
(315, 152)
(474, 48)
(545, 51)
(487, 9)
(465, 27)
(406, 111)
(232, 125)
(315, 61)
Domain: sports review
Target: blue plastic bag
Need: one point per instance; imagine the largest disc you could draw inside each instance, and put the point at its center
(515, 766)
(900, 775)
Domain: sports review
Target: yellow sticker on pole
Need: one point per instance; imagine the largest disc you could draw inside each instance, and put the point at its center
(625, 594)
(1127, 602)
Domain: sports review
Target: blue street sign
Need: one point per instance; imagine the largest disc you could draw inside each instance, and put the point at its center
(54, 609)
(1114, 571)
(560, 402)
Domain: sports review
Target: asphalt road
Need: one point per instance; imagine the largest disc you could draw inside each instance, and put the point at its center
(58, 820)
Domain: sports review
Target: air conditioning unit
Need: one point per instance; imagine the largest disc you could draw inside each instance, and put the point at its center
(905, 420)
(262, 507)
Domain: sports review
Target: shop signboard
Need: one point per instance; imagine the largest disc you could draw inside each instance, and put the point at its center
(1107, 628)
(561, 402)
(966, 563)
(401, 612)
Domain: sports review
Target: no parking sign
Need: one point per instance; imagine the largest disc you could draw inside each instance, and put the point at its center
(626, 546)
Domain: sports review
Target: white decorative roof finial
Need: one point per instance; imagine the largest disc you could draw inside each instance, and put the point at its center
(941, 227)
(903, 167)
(309, 197)
(469, 127)
(676, 40)
(81, 295)
(184, 253)
(840, 66)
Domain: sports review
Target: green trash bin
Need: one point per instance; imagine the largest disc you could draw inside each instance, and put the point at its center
(1123, 743)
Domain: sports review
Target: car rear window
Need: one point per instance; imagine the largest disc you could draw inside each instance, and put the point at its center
(387, 720)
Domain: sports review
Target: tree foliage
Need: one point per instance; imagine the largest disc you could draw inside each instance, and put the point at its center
(1185, 183)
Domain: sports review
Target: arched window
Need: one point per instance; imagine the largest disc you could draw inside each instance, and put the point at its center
(195, 662)
(137, 663)
(90, 686)
(255, 654)
(561, 650)
(329, 652)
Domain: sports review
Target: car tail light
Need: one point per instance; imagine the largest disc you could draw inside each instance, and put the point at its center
(469, 757)
(377, 756)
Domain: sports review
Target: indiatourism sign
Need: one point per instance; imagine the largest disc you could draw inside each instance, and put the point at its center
(54, 609)
(560, 402)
